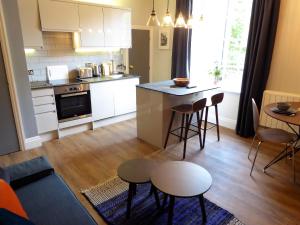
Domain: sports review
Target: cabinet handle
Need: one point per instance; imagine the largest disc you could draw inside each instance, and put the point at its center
(45, 112)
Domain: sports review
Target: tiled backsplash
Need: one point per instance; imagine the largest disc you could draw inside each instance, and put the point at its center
(58, 50)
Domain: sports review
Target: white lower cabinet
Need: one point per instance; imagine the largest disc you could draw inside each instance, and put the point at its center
(45, 110)
(46, 122)
(113, 98)
(125, 96)
(102, 100)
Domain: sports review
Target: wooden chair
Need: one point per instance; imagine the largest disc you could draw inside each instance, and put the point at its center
(271, 135)
(215, 100)
(187, 111)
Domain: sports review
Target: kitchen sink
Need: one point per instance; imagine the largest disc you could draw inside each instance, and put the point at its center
(116, 76)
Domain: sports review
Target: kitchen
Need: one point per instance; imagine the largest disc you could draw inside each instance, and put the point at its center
(76, 65)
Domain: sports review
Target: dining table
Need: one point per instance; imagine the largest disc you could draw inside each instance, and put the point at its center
(293, 122)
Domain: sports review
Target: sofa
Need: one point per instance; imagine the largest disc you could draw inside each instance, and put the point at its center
(45, 196)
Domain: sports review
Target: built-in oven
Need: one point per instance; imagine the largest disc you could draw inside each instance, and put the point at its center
(72, 102)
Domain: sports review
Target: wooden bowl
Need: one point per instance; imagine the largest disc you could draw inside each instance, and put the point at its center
(181, 82)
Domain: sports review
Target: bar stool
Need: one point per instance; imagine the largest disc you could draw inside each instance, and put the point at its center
(187, 111)
(215, 100)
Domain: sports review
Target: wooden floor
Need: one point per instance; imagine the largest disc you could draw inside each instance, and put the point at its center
(91, 157)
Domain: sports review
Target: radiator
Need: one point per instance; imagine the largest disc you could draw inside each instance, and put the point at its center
(272, 97)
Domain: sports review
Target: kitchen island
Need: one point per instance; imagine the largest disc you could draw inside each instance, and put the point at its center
(154, 103)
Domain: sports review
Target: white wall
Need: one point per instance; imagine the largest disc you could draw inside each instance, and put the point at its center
(228, 109)
(285, 68)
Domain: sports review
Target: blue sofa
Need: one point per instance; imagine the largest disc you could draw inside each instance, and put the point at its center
(45, 196)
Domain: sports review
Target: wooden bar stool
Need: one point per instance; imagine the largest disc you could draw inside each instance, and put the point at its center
(215, 100)
(187, 111)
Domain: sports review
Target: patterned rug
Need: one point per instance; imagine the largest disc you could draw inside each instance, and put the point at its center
(110, 201)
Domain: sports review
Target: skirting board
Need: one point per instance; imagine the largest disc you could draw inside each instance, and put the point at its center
(74, 130)
(223, 121)
(116, 119)
(33, 142)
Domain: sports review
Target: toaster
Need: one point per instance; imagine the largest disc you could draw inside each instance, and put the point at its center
(85, 72)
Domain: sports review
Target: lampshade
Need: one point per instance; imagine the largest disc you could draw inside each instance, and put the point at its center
(153, 20)
(180, 22)
(167, 20)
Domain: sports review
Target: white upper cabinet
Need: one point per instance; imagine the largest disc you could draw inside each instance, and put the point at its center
(30, 23)
(95, 25)
(91, 26)
(117, 27)
(59, 16)
(125, 28)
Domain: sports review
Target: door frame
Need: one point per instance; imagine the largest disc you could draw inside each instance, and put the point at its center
(126, 53)
(11, 80)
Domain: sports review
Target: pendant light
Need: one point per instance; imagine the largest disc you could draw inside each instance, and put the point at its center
(153, 20)
(167, 20)
(180, 22)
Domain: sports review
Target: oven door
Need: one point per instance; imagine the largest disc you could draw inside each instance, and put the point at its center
(73, 105)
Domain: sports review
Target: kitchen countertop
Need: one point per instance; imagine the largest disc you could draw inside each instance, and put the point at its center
(56, 83)
(168, 87)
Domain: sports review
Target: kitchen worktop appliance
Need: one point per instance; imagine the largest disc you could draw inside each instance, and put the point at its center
(72, 97)
(73, 102)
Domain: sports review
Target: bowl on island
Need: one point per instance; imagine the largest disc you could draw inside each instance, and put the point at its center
(283, 106)
(181, 81)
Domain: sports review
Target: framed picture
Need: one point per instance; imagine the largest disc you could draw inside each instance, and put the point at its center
(164, 39)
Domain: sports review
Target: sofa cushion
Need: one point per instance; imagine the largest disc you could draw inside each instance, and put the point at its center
(4, 175)
(9, 200)
(9, 218)
(49, 201)
(29, 171)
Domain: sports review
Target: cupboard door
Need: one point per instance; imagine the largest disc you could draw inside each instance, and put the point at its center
(125, 96)
(43, 100)
(102, 100)
(111, 31)
(30, 23)
(117, 27)
(125, 28)
(59, 16)
(46, 122)
(91, 26)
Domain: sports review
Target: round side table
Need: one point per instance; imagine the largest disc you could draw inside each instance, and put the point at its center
(137, 171)
(180, 179)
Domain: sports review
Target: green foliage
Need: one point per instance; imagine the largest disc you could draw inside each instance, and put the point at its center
(216, 72)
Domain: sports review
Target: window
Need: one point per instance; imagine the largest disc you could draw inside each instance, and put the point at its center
(220, 41)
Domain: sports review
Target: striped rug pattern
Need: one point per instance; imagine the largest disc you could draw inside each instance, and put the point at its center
(110, 198)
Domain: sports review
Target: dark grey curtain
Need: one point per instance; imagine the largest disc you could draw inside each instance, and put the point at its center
(258, 59)
(181, 53)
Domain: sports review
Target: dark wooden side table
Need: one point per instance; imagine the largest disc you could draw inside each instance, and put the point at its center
(137, 171)
(180, 179)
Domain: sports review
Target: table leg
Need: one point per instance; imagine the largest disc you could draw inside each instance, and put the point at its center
(171, 209)
(165, 200)
(129, 199)
(156, 197)
(202, 205)
(294, 169)
(283, 154)
(151, 190)
(134, 189)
